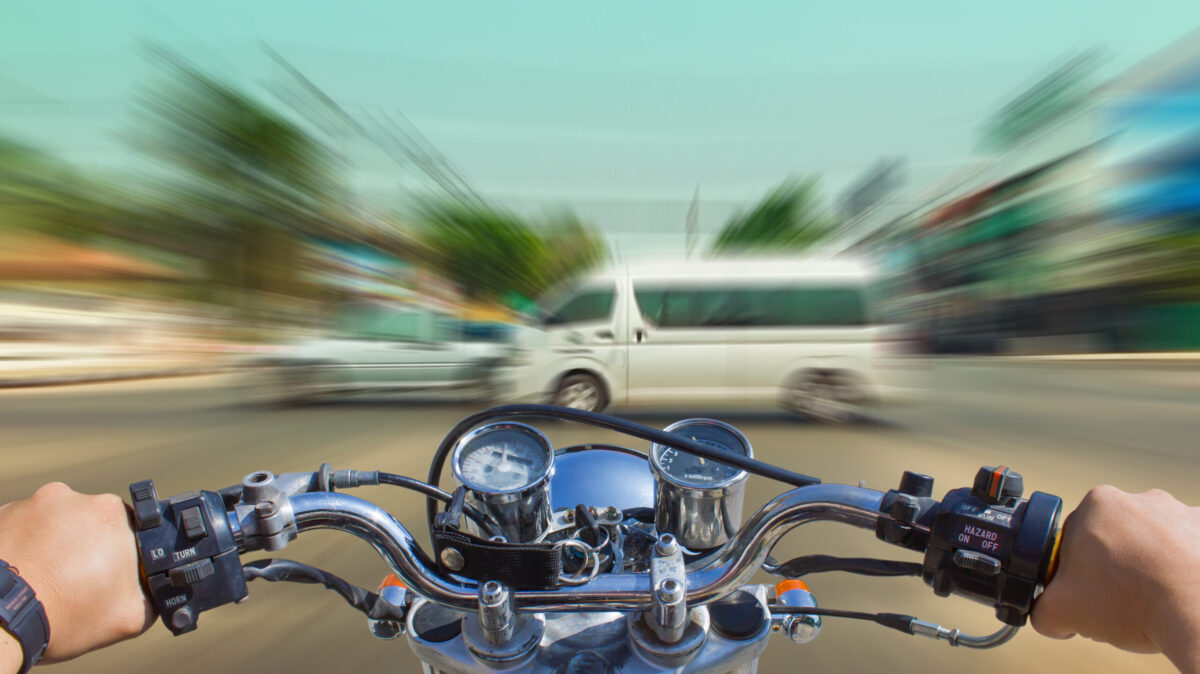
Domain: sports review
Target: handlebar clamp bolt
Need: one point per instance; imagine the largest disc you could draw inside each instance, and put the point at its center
(493, 593)
(666, 545)
(669, 591)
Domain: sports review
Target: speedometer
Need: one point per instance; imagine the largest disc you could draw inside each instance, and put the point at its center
(699, 499)
(502, 457)
(506, 468)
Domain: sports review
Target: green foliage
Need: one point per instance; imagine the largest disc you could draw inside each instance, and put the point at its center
(788, 218)
(242, 186)
(43, 194)
(235, 151)
(492, 253)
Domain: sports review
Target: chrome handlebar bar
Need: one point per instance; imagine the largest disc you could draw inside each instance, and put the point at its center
(732, 566)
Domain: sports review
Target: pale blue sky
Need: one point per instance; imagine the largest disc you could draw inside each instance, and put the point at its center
(619, 107)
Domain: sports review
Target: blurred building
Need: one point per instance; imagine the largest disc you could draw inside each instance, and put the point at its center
(1076, 231)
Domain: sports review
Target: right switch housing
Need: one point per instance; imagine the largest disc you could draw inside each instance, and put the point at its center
(988, 544)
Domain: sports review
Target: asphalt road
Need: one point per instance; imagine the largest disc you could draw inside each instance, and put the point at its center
(1065, 426)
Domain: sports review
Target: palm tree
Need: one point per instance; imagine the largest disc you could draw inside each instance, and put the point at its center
(243, 183)
(788, 218)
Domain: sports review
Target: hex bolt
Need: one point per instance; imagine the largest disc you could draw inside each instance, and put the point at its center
(669, 591)
(569, 516)
(492, 594)
(666, 546)
(266, 509)
(452, 558)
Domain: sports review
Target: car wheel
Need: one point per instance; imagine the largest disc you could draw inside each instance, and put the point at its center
(830, 396)
(262, 386)
(280, 385)
(581, 392)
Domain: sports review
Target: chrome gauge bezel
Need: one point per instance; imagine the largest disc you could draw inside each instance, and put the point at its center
(659, 470)
(537, 436)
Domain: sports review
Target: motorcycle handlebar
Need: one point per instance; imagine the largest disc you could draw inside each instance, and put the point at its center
(731, 567)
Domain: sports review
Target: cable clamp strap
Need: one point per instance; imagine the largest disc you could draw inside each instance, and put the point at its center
(521, 566)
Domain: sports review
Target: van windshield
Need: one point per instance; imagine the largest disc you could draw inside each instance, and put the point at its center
(582, 306)
(704, 307)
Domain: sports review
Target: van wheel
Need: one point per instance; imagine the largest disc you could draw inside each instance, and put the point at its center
(831, 396)
(581, 392)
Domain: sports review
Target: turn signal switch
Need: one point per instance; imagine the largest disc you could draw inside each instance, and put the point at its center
(187, 553)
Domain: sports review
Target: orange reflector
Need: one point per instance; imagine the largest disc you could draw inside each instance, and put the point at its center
(1053, 566)
(997, 478)
(792, 584)
(391, 580)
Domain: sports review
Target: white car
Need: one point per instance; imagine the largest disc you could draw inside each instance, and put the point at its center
(377, 348)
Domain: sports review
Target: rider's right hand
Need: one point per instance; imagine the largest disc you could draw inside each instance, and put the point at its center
(78, 554)
(1128, 571)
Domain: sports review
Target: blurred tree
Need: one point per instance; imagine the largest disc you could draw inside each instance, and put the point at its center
(492, 253)
(41, 193)
(789, 218)
(245, 184)
(572, 245)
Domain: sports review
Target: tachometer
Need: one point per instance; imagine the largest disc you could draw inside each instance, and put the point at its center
(698, 499)
(698, 471)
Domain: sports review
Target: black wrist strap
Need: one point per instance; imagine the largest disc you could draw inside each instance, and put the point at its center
(22, 616)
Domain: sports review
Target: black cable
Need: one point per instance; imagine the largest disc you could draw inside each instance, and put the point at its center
(896, 621)
(431, 491)
(286, 570)
(863, 566)
(820, 610)
(608, 448)
(609, 423)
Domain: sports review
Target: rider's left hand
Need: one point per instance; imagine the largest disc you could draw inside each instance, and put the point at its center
(78, 554)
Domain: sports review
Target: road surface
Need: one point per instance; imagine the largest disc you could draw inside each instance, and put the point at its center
(1065, 426)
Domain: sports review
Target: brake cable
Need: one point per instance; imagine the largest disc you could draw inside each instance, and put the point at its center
(863, 566)
(287, 570)
(907, 624)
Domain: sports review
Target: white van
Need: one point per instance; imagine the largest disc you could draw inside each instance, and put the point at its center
(800, 333)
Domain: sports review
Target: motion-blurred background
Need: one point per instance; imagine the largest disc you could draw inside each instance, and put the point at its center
(187, 189)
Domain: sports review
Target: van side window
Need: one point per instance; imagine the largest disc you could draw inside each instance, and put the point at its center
(589, 305)
(691, 307)
(816, 306)
(650, 302)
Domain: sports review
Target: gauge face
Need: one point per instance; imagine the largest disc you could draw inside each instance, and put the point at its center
(698, 471)
(502, 457)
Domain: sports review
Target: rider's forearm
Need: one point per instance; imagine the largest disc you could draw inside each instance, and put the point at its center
(10, 654)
